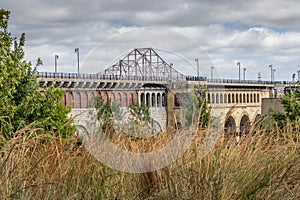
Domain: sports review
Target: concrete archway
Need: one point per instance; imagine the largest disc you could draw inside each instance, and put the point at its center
(245, 124)
(230, 126)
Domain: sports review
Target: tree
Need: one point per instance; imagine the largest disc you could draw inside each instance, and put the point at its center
(195, 109)
(108, 113)
(22, 103)
(291, 104)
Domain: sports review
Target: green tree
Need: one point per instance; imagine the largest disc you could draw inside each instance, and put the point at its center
(108, 113)
(140, 113)
(291, 104)
(21, 100)
(195, 109)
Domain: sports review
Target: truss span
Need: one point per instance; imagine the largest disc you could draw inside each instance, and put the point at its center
(144, 64)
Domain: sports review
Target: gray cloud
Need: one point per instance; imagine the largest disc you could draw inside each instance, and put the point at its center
(255, 32)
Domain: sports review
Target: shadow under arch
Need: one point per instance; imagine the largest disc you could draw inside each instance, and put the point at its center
(245, 124)
(230, 126)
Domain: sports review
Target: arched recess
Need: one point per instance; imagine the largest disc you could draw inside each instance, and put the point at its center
(84, 100)
(153, 102)
(158, 100)
(125, 100)
(230, 126)
(163, 100)
(143, 98)
(245, 124)
(148, 99)
(72, 100)
(77, 100)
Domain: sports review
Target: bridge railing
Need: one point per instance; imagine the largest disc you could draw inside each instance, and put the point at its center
(100, 77)
(203, 78)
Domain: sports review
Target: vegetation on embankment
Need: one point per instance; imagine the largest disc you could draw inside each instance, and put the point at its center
(259, 166)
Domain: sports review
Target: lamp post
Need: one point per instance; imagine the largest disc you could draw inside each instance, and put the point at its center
(212, 72)
(197, 61)
(298, 72)
(77, 52)
(244, 73)
(55, 63)
(271, 67)
(239, 65)
(274, 70)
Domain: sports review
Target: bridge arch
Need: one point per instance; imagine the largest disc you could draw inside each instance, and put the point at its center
(230, 125)
(245, 124)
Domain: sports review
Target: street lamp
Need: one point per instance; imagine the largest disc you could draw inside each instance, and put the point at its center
(298, 72)
(55, 63)
(271, 67)
(197, 61)
(211, 72)
(239, 64)
(244, 73)
(77, 52)
(274, 70)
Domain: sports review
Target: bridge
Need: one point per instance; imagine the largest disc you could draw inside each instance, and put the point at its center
(143, 76)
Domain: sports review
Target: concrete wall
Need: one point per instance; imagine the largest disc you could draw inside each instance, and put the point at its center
(270, 103)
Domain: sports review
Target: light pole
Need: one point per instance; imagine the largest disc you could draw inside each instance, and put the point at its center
(239, 64)
(274, 70)
(77, 52)
(271, 72)
(298, 72)
(244, 73)
(55, 63)
(212, 72)
(197, 61)
(259, 76)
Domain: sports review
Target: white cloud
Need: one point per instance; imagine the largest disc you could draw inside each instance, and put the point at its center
(256, 32)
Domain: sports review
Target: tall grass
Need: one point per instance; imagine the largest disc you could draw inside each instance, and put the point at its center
(258, 166)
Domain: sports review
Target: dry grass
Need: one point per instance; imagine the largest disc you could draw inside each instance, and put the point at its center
(259, 166)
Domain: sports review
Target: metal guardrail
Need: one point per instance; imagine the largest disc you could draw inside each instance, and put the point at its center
(99, 77)
(147, 78)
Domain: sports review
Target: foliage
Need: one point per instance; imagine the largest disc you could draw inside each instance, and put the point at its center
(140, 113)
(291, 104)
(195, 108)
(107, 112)
(21, 100)
(259, 166)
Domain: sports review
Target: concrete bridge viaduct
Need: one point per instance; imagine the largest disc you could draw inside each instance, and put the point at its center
(143, 76)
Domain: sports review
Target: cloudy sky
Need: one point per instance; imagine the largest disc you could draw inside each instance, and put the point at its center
(220, 33)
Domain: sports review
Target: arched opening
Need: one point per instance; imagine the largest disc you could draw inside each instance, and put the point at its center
(221, 98)
(148, 99)
(247, 98)
(153, 102)
(244, 98)
(225, 98)
(241, 98)
(251, 98)
(163, 100)
(230, 126)
(208, 97)
(229, 98)
(257, 96)
(158, 100)
(142, 98)
(254, 98)
(212, 98)
(232, 97)
(217, 98)
(236, 98)
(245, 124)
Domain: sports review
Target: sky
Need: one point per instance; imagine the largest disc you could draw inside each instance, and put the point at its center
(256, 33)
